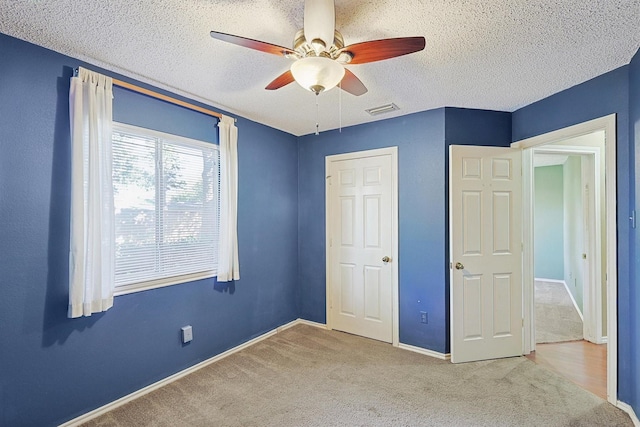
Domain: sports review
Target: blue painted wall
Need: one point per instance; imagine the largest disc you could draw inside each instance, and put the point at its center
(422, 141)
(465, 126)
(634, 291)
(601, 96)
(52, 368)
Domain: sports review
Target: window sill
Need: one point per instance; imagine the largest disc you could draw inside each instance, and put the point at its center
(161, 283)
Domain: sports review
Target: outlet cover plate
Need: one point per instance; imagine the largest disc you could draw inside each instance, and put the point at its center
(187, 334)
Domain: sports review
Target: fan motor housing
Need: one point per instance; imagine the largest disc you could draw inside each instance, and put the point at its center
(302, 46)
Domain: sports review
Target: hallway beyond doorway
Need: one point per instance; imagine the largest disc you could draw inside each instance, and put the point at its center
(557, 315)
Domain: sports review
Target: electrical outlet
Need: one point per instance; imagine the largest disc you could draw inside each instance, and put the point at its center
(423, 317)
(187, 334)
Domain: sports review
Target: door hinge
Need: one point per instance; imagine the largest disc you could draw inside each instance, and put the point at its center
(523, 322)
(450, 266)
(331, 242)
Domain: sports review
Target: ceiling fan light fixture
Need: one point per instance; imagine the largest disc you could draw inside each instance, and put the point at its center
(319, 52)
(317, 73)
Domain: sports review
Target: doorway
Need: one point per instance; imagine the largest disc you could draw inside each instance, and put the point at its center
(601, 300)
(557, 216)
(569, 258)
(565, 212)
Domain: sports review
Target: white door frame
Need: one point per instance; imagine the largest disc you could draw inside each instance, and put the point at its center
(608, 125)
(592, 303)
(393, 152)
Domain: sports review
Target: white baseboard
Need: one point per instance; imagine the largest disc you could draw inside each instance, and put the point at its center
(539, 279)
(301, 322)
(424, 351)
(573, 300)
(148, 389)
(603, 340)
(629, 410)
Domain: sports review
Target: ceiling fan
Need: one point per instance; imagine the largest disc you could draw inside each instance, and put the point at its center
(319, 53)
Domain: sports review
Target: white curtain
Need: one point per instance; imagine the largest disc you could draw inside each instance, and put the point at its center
(91, 252)
(228, 267)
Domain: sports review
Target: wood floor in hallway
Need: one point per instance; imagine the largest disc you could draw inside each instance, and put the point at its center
(582, 362)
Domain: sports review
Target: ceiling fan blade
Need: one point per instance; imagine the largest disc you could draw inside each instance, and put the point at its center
(282, 80)
(350, 83)
(252, 44)
(377, 50)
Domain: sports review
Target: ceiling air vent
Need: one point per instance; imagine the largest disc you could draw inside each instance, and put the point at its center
(383, 109)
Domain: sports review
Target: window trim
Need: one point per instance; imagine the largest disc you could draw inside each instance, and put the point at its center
(171, 280)
(161, 283)
(163, 135)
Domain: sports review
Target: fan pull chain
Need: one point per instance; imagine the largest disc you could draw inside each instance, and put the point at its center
(317, 116)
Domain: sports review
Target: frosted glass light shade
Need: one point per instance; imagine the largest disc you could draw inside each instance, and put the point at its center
(316, 73)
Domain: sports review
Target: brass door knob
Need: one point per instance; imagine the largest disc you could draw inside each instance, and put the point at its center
(386, 259)
(459, 266)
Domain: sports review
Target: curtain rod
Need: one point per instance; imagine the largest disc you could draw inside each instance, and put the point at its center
(162, 97)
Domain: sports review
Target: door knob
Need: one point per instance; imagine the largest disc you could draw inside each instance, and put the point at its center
(386, 259)
(459, 266)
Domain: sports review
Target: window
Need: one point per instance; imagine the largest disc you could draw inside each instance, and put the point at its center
(166, 197)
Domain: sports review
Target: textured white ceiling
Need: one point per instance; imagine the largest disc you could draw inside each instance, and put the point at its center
(489, 54)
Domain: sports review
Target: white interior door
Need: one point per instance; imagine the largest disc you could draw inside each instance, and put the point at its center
(486, 252)
(360, 231)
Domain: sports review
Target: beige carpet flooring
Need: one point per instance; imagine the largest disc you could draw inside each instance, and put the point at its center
(557, 320)
(307, 376)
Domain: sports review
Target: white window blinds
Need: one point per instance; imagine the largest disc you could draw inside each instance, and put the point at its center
(166, 197)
